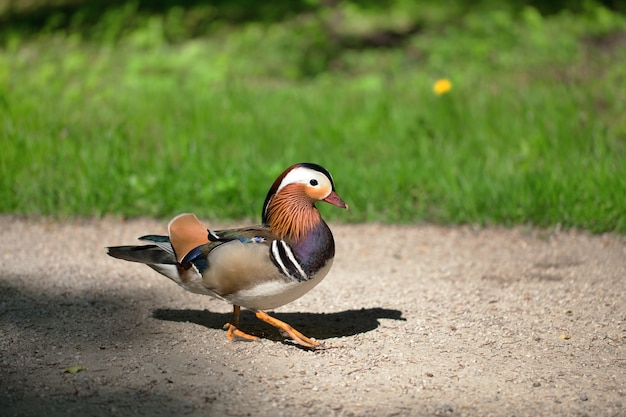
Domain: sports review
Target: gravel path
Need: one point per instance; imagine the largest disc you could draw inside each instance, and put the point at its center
(420, 321)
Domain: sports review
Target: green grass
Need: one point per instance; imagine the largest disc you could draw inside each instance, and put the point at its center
(132, 123)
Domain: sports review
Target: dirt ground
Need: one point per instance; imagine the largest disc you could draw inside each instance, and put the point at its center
(418, 321)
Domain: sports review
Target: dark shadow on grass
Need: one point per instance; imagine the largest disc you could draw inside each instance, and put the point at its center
(317, 325)
(79, 14)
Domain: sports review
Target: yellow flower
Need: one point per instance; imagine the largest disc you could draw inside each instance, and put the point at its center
(442, 86)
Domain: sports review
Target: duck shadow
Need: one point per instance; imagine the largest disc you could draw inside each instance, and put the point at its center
(318, 325)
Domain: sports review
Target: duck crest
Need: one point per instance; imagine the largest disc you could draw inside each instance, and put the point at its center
(290, 214)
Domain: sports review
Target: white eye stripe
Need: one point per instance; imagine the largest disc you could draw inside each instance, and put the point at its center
(303, 175)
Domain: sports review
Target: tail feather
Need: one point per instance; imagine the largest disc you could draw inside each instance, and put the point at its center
(148, 254)
(162, 242)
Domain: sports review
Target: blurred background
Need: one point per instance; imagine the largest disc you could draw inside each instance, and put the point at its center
(459, 112)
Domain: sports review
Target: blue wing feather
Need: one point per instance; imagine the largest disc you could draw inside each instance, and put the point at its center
(196, 257)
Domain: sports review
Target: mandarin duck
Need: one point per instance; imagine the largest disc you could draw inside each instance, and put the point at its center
(260, 267)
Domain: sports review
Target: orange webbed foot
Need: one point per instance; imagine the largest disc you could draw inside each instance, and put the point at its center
(235, 334)
(232, 326)
(285, 328)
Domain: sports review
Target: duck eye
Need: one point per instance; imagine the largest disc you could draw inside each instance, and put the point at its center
(313, 182)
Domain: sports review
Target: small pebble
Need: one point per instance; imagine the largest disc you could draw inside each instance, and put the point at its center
(583, 396)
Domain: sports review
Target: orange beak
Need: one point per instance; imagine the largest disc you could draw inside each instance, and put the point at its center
(334, 199)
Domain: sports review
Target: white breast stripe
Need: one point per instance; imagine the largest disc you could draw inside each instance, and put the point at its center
(278, 259)
(286, 260)
(293, 259)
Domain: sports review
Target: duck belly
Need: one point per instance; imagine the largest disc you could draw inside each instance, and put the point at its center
(271, 294)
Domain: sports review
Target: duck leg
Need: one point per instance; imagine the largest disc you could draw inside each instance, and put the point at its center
(233, 328)
(295, 335)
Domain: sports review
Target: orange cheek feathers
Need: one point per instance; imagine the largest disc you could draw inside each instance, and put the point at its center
(317, 193)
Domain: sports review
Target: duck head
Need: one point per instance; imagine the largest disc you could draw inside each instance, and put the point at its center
(289, 207)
